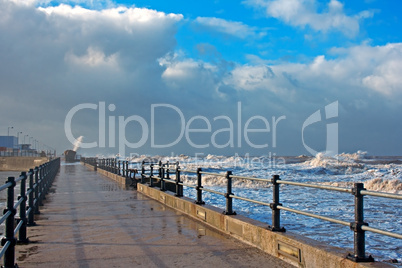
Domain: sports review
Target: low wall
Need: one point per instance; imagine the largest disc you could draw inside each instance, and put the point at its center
(20, 163)
(292, 248)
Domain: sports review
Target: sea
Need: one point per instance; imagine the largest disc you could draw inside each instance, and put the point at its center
(378, 173)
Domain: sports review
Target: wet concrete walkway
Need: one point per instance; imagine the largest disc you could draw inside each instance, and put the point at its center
(90, 221)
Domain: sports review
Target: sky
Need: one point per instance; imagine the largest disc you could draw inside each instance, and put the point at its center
(224, 77)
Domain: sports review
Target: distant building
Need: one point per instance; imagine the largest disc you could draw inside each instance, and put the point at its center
(9, 142)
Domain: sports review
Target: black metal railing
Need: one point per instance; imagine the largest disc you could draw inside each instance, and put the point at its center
(158, 174)
(39, 181)
(28, 153)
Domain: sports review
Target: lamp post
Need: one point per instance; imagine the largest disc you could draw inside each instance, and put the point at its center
(25, 136)
(8, 131)
(18, 136)
(18, 140)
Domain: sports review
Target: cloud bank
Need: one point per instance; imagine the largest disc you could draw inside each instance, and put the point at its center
(54, 58)
(304, 13)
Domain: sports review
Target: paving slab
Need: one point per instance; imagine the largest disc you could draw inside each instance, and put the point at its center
(89, 220)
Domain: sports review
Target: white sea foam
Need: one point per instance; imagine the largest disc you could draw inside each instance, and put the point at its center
(342, 170)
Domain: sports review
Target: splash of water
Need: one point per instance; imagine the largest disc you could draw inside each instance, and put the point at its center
(77, 143)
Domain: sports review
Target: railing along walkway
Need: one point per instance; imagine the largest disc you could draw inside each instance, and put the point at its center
(90, 221)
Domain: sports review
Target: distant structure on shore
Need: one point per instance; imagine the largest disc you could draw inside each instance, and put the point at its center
(71, 155)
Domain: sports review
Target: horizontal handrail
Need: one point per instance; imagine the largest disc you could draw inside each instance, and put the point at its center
(43, 176)
(169, 180)
(5, 216)
(213, 191)
(312, 215)
(19, 202)
(212, 174)
(20, 178)
(378, 231)
(318, 186)
(249, 178)
(188, 171)
(188, 185)
(160, 172)
(5, 186)
(382, 194)
(4, 249)
(249, 200)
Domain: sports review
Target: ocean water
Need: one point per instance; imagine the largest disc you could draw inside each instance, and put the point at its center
(377, 173)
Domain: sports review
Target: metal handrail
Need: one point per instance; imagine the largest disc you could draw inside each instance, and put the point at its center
(318, 186)
(213, 191)
(312, 215)
(250, 178)
(379, 231)
(213, 174)
(43, 176)
(160, 172)
(381, 194)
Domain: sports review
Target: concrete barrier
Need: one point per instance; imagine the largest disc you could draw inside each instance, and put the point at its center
(18, 163)
(290, 247)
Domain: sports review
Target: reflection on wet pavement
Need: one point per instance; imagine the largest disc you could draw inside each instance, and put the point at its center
(90, 221)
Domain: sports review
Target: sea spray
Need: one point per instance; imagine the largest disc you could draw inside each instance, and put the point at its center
(78, 143)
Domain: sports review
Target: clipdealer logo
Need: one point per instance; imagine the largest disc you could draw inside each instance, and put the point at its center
(331, 111)
(240, 128)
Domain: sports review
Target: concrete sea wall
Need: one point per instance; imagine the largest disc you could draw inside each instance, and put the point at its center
(20, 163)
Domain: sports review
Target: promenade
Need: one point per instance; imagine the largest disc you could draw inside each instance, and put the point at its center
(89, 220)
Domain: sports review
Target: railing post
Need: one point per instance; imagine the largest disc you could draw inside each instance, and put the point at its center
(31, 221)
(229, 200)
(162, 175)
(119, 172)
(168, 174)
(22, 235)
(356, 226)
(37, 190)
(143, 172)
(199, 188)
(151, 183)
(41, 172)
(126, 175)
(179, 188)
(276, 213)
(45, 180)
(9, 256)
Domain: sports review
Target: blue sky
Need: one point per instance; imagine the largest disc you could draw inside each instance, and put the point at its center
(272, 58)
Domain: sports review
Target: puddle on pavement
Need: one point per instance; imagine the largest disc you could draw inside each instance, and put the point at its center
(23, 254)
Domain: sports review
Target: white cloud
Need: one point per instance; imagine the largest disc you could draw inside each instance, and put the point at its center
(361, 69)
(56, 57)
(233, 28)
(304, 13)
(94, 57)
(250, 77)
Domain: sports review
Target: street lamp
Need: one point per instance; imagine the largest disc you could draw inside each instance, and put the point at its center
(25, 136)
(18, 140)
(18, 136)
(8, 132)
